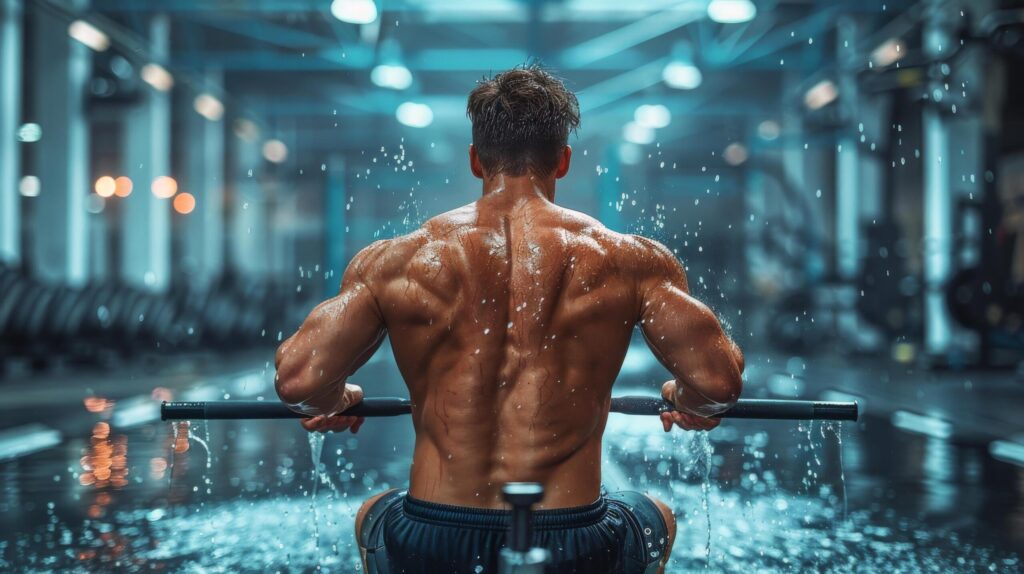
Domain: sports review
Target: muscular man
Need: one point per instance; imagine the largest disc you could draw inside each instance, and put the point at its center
(509, 319)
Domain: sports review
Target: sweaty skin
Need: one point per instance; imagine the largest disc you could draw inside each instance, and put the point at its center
(509, 319)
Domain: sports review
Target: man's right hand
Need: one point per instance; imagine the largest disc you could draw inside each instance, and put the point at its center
(682, 420)
(352, 395)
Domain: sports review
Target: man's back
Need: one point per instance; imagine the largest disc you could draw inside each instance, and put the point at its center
(509, 319)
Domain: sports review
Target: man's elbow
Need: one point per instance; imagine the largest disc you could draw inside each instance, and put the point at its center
(734, 382)
(288, 381)
(731, 389)
(741, 361)
(723, 394)
(289, 390)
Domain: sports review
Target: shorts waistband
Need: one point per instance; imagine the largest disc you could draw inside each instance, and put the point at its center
(491, 518)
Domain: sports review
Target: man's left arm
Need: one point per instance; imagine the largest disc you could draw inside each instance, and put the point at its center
(337, 338)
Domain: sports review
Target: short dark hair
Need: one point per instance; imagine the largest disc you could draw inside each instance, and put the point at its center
(521, 120)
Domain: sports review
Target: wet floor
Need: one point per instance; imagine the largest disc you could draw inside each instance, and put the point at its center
(125, 493)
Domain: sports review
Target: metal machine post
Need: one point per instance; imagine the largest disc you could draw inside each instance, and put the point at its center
(517, 557)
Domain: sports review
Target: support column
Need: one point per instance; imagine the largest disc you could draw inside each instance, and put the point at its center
(146, 222)
(938, 197)
(335, 220)
(847, 209)
(61, 160)
(871, 124)
(203, 239)
(10, 118)
(249, 251)
(847, 159)
(801, 169)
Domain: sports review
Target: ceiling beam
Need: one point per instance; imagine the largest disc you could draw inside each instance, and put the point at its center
(267, 32)
(632, 35)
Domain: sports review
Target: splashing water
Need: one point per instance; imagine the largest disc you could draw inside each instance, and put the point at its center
(771, 521)
(836, 428)
(703, 451)
(316, 449)
(202, 442)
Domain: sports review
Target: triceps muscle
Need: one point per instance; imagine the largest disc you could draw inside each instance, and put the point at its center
(689, 341)
(337, 338)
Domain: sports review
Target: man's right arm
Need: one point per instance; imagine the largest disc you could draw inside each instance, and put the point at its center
(686, 337)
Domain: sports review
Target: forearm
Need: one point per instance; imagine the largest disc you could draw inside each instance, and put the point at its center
(330, 400)
(706, 365)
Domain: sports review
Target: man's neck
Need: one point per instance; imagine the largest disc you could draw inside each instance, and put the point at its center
(519, 187)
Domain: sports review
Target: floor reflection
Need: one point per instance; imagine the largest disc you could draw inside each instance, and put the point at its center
(240, 496)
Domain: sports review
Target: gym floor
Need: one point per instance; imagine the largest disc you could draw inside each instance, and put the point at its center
(91, 480)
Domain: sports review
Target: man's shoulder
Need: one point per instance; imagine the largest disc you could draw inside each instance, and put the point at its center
(445, 223)
(385, 257)
(633, 247)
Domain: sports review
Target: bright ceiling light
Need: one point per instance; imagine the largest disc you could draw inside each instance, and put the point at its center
(157, 76)
(354, 11)
(731, 11)
(29, 133)
(415, 115)
(888, 53)
(682, 76)
(652, 116)
(208, 106)
(275, 151)
(638, 134)
(735, 154)
(395, 77)
(29, 186)
(89, 35)
(164, 187)
(821, 94)
(105, 186)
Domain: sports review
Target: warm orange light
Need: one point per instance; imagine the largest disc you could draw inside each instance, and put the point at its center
(164, 187)
(123, 186)
(181, 438)
(184, 203)
(97, 404)
(105, 186)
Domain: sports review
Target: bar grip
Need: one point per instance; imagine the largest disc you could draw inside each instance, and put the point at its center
(769, 409)
(236, 410)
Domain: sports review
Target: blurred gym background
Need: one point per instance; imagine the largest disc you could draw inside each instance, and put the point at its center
(182, 176)
(182, 181)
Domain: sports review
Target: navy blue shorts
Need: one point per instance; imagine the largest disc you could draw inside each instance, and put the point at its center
(621, 533)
